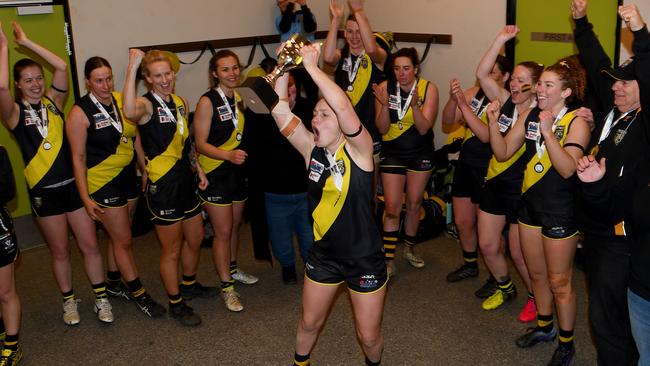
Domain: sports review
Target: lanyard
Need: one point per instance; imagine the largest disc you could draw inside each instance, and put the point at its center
(352, 71)
(401, 110)
(610, 123)
(42, 123)
(181, 124)
(539, 144)
(116, 124)
(233, 116)
(335, 172)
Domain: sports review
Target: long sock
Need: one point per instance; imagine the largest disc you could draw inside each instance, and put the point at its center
(188, 282)
(100, 290)
(233, 267)
(113, 278)
(545, 322)
(300, 360)
(471, 258)
(69, 295)
(410, 240)
(372, 363)
(11, 342)
(506, 286)
(227, 285)
(566, 338)
(174, 300)
(390, 238)
(135, 287)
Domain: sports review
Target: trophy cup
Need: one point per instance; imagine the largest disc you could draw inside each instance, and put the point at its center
(257, 92)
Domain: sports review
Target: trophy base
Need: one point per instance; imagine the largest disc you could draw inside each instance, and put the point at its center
(258, 95)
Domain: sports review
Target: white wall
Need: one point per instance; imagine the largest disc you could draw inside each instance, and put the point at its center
(626, 35)
(109, 28)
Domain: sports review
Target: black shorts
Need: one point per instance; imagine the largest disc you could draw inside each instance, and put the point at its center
(225, 188)
(376, 147)
(468, 181)
(498, 199)
(173, 198)
(8, 243)
(555, 226)
(363, 275)
(114, 193)
(399, 164)
(55, 201)
(133, 186)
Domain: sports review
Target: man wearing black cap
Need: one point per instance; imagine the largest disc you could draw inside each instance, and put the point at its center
(617, 163)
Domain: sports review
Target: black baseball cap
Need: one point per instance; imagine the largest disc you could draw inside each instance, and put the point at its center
(624, 72)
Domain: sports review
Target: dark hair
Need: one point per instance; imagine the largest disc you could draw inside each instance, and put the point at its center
(19, 66)
(573, 76)
(268, 64)
(93, 63)
(213, 64)
(534, 68)
(504, 64)
(410, 53)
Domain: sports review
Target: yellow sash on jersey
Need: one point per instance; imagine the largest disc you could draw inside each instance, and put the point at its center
(104, 172)
(208, 164)
(43, 160)
(161, 164)
(361, 81)
(530, 175)
(331, 202)
(393, 130)
(496, 167)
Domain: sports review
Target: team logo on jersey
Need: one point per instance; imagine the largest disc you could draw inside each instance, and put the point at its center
(368, 281)
(153, 189)
(52, 108)
(340, 165)
(559, 132)
(181, 110)
(316, 169)
(620, 134)
(532, 131)
(38, 202)
(364, 63)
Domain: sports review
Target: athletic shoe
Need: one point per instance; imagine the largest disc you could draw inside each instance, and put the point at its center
(70, 312)
(149, 306)
(390, 268)
(563, 356)
(184, 314)
(451, 232)
(497, 299)
(413, 259)
(245, 278)
(534, 336)
(462, 272)
(289, 275)
(231, 298)
(488, 288)
(118, 290)
(104, 310)
(11, 358)
(198, 291)
(529, 312)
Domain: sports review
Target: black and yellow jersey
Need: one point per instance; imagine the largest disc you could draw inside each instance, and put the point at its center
(342, 218)
(359, 91)
(474, 152)
(402, 137)
(511, 170)
(543, 187)
(108, 152)
(223, 133)
(47, 160)
(166, 149)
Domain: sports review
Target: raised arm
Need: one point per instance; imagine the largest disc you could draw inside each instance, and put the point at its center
(473, 121)
(138, 110)
(59, 87)
(377, 54)
(308, 19)
(492, 89)
(565, 158)
(9, 111)
(331, 54)
(641, 45)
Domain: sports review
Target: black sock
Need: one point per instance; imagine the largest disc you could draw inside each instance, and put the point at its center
(174, 300)
(188, 282)
(371, 363)
(471, 258)
(100, 290)
(113, 277)
(566, 338)
(409, 240)
(233, 267)
(545, 322)
(227, 285)
(300, 360)
(506, 286)
(11, 342)
(135, 287)
(69, 295)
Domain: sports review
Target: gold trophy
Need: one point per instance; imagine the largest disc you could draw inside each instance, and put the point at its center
(257, 92)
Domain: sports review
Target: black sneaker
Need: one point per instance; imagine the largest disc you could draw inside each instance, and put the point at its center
(534, 336)
(184, 314)
(563, 356)
(451, 232)
(118, 289)
(289, 275)
(149, 306)
(198, 291)
(488, 288)
(463, 272)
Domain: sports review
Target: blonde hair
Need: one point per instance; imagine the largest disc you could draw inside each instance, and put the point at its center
(151, 57)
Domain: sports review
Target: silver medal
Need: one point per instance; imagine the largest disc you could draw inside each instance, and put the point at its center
(47, 145)
(400, 125)
(350, 88)
(539, 167)
(238, 136)
(124, 139)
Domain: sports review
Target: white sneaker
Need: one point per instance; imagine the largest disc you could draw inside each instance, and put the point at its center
(70, 312)
(104, 310)
(245, 278)
(413, 259)
(231, 298)
(390, 268)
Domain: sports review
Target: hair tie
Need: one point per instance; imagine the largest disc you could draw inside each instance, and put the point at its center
(565, 64)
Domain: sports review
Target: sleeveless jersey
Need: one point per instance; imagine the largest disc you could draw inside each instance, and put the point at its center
(359, 91)
(474, 152)
(166, 150)
(108, 152)
(543, 186)
(511, 170)
(222, 131)
(343, 222)
(47, 160)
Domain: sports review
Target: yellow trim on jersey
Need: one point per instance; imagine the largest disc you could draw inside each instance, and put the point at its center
(531, 177)
(332, 201)
(208, 164)
(43, 160)
(407, 121)
(161, 164)
(361, 81)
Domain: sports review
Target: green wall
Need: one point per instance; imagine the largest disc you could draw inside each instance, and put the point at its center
(47, 30)
(554, 16)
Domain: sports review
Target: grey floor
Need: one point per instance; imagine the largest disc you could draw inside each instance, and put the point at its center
(426, 320)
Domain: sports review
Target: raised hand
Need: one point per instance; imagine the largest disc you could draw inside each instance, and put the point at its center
(336, 10)
(546, 119)
(630, 14)
(19, 34)
(589, 170)
(578, 8)
(380, 93)
(135, 56)
(493, 111)
(355, 5)
(310, 55)
(508, 32)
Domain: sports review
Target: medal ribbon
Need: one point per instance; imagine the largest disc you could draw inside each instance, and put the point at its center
(352, 71)
(181, 122)
(334, 168)
(610, 123)
(401, 111)
(117, 124)
(42, 123)
(233, 116)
